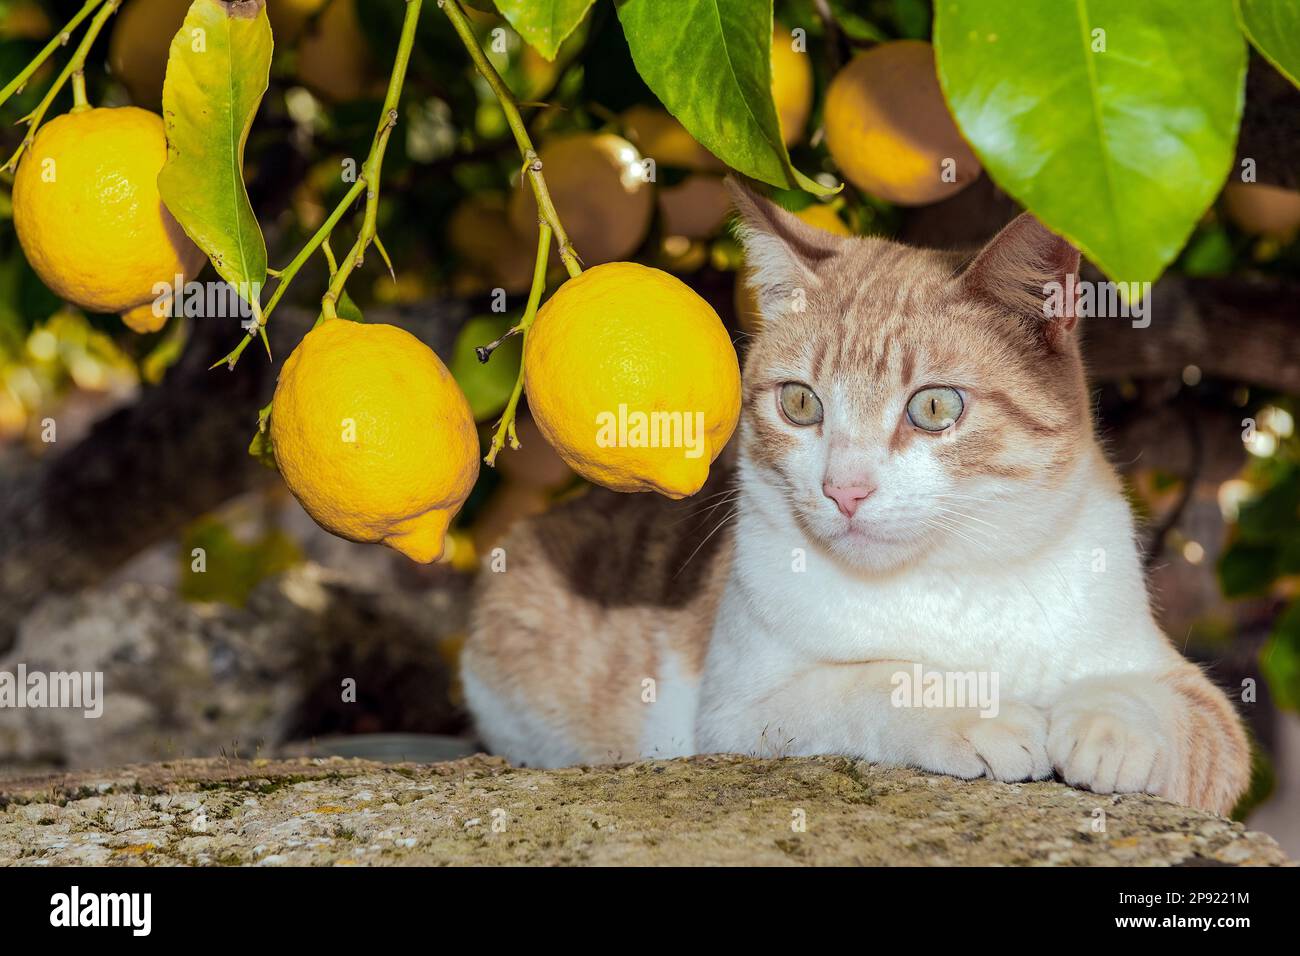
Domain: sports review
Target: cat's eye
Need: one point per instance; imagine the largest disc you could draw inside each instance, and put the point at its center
(935, 409)
(800, 404)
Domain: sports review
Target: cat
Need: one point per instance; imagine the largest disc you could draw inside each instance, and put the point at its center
(917, 483)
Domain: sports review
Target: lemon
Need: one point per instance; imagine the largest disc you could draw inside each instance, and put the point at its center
(695, 208)
(88, 213)
(25, 20)
(632, 378)
(889, 129)
(792, 85)
(479, 231)
(373, 436)
(333, 59)
(139, 46)
(660, 137)
(288, 17)
(1258, 209)
(600, 192)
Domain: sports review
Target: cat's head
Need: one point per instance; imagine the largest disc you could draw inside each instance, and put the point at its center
(903, 404)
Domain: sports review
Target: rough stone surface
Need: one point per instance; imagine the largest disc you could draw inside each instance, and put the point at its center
(701, 810)
(182, 679)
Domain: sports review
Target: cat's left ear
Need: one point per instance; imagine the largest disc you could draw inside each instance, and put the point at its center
(782, 252)
(1030, 272)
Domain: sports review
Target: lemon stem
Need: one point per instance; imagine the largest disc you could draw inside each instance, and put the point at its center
(505, 427)
(59, 39)
(370, 170)
(532, 164)
(367, 184)
(75, 67)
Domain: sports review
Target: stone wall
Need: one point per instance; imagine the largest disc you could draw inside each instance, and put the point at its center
(700, 810)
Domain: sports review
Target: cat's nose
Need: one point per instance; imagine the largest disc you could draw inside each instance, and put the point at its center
(847, 497)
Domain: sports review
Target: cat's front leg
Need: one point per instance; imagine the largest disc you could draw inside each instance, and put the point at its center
(852, 709)
(1173, 734)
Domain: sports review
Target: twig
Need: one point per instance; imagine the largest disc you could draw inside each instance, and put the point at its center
(549, 225)
(59, 39)
(532, 164)
(367, 183)
(505, 427)
(370, 171)
(74, 67)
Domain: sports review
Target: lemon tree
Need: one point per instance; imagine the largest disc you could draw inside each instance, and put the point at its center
(556, 169)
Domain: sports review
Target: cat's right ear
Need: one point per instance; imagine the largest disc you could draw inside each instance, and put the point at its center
(782, 252)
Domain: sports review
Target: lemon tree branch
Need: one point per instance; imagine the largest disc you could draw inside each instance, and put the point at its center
(74, 67)
(318, 240)
(549, 225)
(370, 171)
(59, 39)
(532, 164)
(505, 427)
(367, 184)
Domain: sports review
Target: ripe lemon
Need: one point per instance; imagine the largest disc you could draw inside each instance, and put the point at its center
(25, 20)
(479, 231)
(889, 129)
(88, 213)
(599, 189)
(792, 85)
(695, 208)
(660, 137)
(1258, 209)
(373, 436)
(333, 59)
(632, 378)
(141, 41)
(288, 17)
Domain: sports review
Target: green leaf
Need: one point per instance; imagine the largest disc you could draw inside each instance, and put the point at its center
(1273, 26)
(544, 24)
(261, 447)
(710, 63)
(1121, 150)
(348, 309)
(856, 26)
(1280, 659)
(217, 73)
(1247, 569)
(487, 385)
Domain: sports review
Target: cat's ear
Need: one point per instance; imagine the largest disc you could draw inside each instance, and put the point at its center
(782, 252)
(1030, 272)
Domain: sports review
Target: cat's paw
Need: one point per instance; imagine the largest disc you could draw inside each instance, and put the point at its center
(1112, 741)
(1010, 746)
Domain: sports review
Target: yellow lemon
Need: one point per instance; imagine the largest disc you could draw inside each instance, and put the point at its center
(792, 85)
(695, 208)
(889, 130)
(288, 17)
(141, 40)
(333, 59)
(633, 379)
(88, 213)
(1258, 209)
(660, 137)
(600, 191)
(373, 436)
(479, 231)
(25, 20)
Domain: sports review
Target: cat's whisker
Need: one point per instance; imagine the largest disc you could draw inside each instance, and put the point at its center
(735, 512)
(941, 523)
(969, 517)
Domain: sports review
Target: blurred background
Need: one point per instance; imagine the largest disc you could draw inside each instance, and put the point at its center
(246, 651)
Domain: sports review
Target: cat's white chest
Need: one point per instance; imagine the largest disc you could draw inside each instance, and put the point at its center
(1038, 625)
